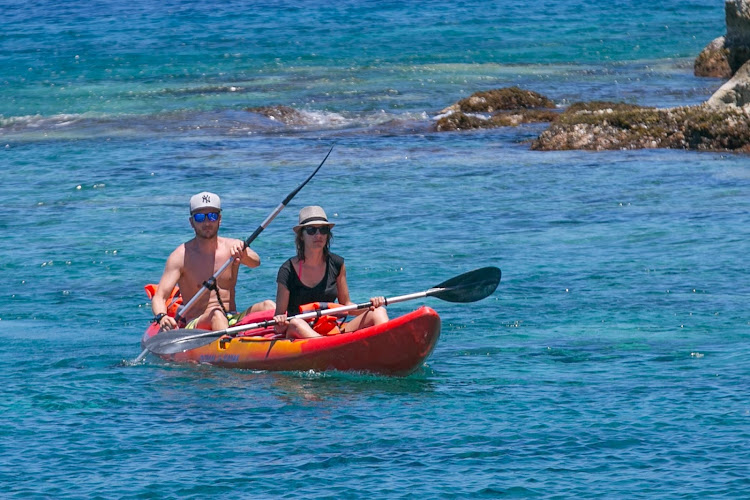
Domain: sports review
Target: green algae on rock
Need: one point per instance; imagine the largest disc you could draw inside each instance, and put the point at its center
(509, 106)
(607, 126)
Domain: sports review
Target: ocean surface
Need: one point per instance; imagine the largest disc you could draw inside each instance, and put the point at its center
(613, 361)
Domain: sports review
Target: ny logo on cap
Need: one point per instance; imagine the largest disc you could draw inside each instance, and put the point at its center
(206, 198)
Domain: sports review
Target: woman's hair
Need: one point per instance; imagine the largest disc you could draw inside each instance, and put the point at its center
(299, 242)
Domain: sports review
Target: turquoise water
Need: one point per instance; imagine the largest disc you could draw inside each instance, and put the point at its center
(611, 362)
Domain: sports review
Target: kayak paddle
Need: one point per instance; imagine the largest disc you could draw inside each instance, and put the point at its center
(210, 282)
(468, 287)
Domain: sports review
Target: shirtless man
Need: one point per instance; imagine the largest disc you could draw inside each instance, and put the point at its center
(195, 261)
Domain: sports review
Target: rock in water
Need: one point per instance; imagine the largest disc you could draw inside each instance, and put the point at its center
(725, 55)
(735, 93)
(713, 61)
(505, 107)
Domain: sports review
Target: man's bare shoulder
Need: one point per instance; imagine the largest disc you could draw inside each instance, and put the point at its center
(178, 254)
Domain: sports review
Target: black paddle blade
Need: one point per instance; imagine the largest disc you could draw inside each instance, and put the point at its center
(468, 287)
(174, 341)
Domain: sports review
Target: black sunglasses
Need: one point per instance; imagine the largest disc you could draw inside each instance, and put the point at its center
(314, 229)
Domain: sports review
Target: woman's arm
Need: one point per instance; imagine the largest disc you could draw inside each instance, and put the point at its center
(343, 287)
(282, 304)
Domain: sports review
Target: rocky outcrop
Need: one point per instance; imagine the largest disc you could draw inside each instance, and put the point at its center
(735, 93)
(506, 98)
(510, 106)
(725, 55)
(720, 124)
(713, 61)
(601, 126)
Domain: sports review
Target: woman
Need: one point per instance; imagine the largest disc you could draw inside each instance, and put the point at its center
(317, 275)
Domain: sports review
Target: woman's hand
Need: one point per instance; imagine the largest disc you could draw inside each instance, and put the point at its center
(376, 302)
(282, 323)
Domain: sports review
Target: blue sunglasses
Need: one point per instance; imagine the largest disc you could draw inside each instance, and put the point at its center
(212, 216)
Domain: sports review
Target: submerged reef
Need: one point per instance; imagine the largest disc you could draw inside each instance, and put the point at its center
(281, 114)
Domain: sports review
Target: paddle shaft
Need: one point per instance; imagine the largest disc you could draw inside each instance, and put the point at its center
(333, 311)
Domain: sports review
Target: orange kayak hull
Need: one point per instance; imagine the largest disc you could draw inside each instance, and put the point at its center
(397, 347)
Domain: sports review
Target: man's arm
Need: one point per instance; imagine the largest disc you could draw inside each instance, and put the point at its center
(170, 277)
(247, 256)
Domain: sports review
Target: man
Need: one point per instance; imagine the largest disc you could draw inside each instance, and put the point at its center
(196, 261)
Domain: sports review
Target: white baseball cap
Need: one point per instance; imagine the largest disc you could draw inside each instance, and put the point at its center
(205, 200)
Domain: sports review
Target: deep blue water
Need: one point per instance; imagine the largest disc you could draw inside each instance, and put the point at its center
(612, 361)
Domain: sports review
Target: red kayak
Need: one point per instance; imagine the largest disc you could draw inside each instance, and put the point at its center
(397, 347)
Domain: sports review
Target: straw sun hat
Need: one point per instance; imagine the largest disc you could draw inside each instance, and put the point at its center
(312, 216)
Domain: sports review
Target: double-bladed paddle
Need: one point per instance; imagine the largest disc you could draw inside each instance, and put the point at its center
(468, 287)
(210, 282)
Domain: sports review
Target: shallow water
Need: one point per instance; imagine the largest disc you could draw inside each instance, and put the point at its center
(612, 360)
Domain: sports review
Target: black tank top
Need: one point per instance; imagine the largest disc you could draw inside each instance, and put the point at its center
(325, 291)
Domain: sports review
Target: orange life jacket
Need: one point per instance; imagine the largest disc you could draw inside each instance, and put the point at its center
(324, 324)
(173, 302)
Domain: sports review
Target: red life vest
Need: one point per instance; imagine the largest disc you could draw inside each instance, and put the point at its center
(324, 324)
(173, 302)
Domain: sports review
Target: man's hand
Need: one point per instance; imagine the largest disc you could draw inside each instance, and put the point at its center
(237, 251)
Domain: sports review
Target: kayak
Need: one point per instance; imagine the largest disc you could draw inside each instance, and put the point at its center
(397, 347)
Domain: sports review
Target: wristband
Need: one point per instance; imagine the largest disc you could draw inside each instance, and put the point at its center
(158, 317)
